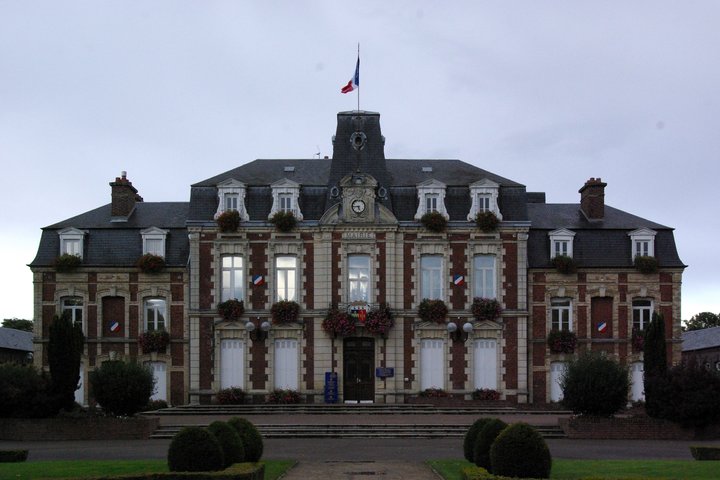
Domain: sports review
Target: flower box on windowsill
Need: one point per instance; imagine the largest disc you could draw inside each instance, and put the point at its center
(154, 341)
(432, 310)
(228, 221)
(487, 222)
(284, 221)
(562, 341)
(231, 309)
(646, 265)
(66, 263)
(285, 311)
(150, 263)
(485, 309)
(434, 221)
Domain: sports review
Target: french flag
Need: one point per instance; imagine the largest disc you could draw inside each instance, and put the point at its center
(354, 81)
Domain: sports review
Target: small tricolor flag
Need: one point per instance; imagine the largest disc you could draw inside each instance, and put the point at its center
(114, 326)
(602, 326)
(354, 82)
(258, 280)
(459, 280)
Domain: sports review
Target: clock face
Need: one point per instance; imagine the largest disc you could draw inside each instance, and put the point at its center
(358, 206)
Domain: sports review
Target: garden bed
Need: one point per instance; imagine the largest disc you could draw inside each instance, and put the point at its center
(633, 428)
(77, 428)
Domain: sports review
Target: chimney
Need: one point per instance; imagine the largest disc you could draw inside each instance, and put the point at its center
(592, 199)
(124, 196)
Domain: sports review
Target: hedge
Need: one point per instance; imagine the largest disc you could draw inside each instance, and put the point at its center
(239, 471)
(705, 453)
(10, 456)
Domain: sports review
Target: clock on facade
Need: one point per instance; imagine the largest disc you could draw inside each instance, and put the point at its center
(358, 206)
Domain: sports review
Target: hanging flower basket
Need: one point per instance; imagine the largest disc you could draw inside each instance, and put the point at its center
(338, 324)
(284, 221)
(379, 321)
(485, 309)
(562, 341)
(285, 311)
(231, 309)
(646, 264)
(432, 310)
(154, 341)
(150, 263)
(564, 264)
(638, 340)
(434, 222)
(67, 263)
(228, 221)
(487, 221)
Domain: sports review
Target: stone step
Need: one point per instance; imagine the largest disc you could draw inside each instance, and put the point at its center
(322, 409)
(359, 431)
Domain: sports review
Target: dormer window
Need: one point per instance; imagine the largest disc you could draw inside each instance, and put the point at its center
(484, 194)
(154, 241)
(231, 196)
(71, 241)
(286, 194)
(561, 243)
(431, 198)
(643, 242)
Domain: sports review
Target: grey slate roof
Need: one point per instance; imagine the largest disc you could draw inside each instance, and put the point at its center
(603, 243)
(120, 243)
(701, 339)
(13, 339)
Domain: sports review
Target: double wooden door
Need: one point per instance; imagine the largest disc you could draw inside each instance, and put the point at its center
(358, 368)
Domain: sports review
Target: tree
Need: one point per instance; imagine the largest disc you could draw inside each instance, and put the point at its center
(121, 388)
(18, 324)
(655, 365)
(65, 347)
(702, 320)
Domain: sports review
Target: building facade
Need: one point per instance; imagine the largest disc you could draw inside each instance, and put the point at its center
(360, 243)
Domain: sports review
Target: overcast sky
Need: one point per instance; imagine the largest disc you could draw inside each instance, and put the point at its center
(546, 93)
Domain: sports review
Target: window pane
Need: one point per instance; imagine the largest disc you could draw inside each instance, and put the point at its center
(484, 276)
(431, 277)
(154, 246)
(359, 278)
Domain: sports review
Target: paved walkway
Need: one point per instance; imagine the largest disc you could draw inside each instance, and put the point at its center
(361, 470)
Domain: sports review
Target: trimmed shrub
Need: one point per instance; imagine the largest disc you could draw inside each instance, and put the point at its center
(485, 309)
(13, 456)
(195, 449)
(230, 441)
(228, 221)
(155, 405)
(564, 264)
(284, 221)
(487, 221)
(251, 438)
(64, 351)
(122, 389)
(285, 311)
(595, 385)
(520, 451)
(646, 264)
(432, 310)
(25, 393)
(231, 396)
(434, 221)
(705, 453)
(470, 436)
(67, 263)
(484, 440)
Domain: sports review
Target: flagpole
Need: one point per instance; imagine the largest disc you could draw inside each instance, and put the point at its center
(358, 99)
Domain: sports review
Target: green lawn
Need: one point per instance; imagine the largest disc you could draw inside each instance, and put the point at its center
(608, 469)
(90, 468)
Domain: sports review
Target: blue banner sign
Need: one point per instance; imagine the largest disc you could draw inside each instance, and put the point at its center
(331, 387)
(384, 372)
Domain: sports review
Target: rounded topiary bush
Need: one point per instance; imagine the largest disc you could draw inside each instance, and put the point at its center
(251, 439)
(520, 451)
(471, 435)
(195, 449)
(230, 441)
(121, 388)
(484, 440)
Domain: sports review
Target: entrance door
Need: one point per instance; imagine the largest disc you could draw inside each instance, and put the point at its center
(358, 367)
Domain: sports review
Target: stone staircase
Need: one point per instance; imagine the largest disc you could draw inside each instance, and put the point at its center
(306, 420)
